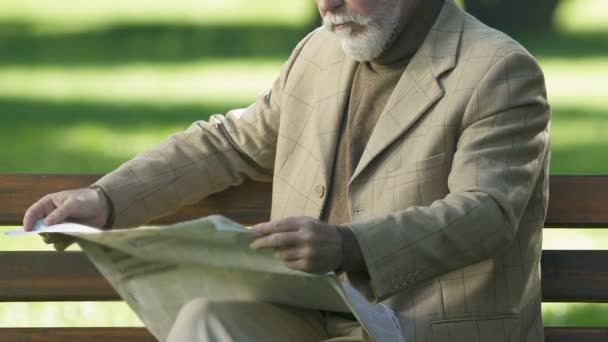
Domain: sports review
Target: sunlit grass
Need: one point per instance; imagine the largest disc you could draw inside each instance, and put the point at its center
(580, 16)
(69, 15)
(581, 82)
(21, 243)
(575, 239)
(209, 82)
(67, 314)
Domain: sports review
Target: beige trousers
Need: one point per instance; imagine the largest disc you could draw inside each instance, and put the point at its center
(203, 320)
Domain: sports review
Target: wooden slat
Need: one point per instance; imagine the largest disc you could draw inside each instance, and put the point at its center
(575, 276)
(578, 201)
(18, 192)
(142, 335)
(568, 276)
(575, 201)
(576, 334)
(51, 276)
(76, 335)
(248, 203)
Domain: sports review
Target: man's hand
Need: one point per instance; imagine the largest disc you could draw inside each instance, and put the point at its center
(302, 243)
(85, 206)
(59, 241)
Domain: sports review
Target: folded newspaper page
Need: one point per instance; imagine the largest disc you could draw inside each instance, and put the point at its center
(157, 270)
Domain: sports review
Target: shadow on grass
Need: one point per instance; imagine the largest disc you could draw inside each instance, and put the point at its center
(145, 43)
(583, 159)
(86, 137)
(565, 45)
(579, 141)
(17, 112)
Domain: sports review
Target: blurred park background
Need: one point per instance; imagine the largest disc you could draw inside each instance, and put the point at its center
(84, 85)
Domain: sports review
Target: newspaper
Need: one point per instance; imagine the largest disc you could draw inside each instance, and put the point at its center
(157, 270)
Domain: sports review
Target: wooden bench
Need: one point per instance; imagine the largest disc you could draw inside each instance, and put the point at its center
(567, 276)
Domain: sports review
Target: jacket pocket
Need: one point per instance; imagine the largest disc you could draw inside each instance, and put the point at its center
(431, 162)
(490, 328)
(419, 183)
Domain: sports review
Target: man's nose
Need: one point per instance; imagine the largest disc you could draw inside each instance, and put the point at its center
(329, 5)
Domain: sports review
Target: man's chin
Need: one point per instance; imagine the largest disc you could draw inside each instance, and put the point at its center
(363, 47)
(360, 53)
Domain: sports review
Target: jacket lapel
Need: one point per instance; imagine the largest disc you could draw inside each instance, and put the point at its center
(418, 88)
(334, 93)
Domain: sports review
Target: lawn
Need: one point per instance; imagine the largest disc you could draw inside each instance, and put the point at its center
(85, 85)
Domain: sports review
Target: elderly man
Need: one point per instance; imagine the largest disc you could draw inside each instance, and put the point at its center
(408, 145)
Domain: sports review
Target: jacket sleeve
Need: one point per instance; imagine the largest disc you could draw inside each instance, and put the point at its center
(503, 141)
(208, 157)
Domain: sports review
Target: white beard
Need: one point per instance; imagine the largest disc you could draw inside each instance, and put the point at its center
(379, 28)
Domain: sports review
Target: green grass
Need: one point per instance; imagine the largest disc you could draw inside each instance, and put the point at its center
(84, 85)
(60, 16)
(575, 315)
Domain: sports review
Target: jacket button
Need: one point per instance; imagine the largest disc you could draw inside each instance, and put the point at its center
(320, 191)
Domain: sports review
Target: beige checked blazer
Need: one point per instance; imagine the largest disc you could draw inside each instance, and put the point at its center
(447, 202)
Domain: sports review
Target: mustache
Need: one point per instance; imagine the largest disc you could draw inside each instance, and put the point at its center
(331, 20)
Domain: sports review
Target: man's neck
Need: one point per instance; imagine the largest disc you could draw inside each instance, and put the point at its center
(410, 33)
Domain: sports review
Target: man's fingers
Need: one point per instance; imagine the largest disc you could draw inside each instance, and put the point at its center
(285, 225)
(276, 240)
(47, 238)
(36, 212)
(290, 254)
(29, 219)
(60, 214)
(39, 210)
(52, 238)
(303, 265)
(62, 245)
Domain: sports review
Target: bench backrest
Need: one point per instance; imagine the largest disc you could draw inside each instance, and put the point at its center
(567, 276)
